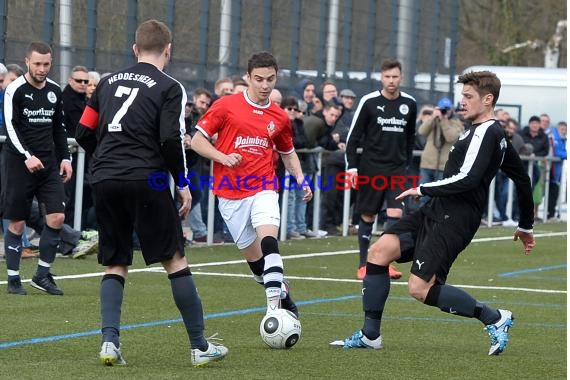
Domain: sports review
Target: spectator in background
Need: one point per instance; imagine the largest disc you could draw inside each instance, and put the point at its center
(501, 180)
(502, 115)
(305, 90)
(297, 207)
(94, 78)
(276, 96)
(441, 131)
(222, 87)
(534, 135)
(14, 71)
(347, 98)
(425, 113)
(558, 141)
(201, 100)
(74, 100)
(240, 85)
(319, 131)
(329, 90)
(317, 105)
(3, 72)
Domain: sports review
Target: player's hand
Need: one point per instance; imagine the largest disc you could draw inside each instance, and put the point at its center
(413, 192)
(527, 239)
(187, 140)
(34, 164)
(308, 193)
(65, 170)
(185, 202)
(351, 175)
(231, 160)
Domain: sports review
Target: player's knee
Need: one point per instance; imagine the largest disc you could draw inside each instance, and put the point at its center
(55, 220)
(418, 288)
(17, 227)
(394, 212)
(368, 218)
(384, 250)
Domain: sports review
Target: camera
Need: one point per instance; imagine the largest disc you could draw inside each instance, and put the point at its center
(444, 111)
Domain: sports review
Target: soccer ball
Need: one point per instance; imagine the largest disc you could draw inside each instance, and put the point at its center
(280, 329)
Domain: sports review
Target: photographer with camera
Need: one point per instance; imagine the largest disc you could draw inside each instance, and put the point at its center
(441, 130)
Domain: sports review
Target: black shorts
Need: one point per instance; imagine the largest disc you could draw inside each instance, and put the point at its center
(19, 187)
(124, 206)
(432, 244)
(370, 198)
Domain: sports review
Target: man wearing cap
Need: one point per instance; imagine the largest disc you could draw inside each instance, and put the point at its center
(441, 131)
(347, 98)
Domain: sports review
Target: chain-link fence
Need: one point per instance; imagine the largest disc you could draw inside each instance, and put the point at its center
(345, 40)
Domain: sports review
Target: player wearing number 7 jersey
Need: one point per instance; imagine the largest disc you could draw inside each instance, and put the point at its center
(133, 127)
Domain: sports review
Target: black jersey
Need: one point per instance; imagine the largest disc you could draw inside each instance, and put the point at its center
(34, 120)
(137, 117)
(385, 129)
(473, 162)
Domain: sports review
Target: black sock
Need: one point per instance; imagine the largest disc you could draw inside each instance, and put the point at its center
(13, 253)
(49, 240)
(257, 269)
(451, 300)
(375, 290)
(190, 306)
(486, 315)
(364, 236)
(111, 295)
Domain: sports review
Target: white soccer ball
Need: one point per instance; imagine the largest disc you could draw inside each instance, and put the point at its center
(280, 329)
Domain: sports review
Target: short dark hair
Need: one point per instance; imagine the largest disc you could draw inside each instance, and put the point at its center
(152, 36)
(202, 91)
(290, 101)
(389, 64)
(261, 59)
(484, 82)
(38, 47)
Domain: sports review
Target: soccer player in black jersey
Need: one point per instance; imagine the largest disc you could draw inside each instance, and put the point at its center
(384, 126)
(133, 127)
(432, 237)
(36, 163)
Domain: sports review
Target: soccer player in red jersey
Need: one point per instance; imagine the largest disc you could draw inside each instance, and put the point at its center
(250, 127)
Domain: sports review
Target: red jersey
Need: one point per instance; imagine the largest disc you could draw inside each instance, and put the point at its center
(253, 131)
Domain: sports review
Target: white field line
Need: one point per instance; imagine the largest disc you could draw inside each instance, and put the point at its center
(320, 254)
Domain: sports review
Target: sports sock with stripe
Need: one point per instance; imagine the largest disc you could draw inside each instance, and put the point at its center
(272, 271)
(13, 252)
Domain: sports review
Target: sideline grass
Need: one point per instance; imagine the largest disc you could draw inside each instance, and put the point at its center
(421, 342)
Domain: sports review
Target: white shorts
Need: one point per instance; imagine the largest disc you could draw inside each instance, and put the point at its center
(243, 216)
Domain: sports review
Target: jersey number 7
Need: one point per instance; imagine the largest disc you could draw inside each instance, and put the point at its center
(115, 125)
